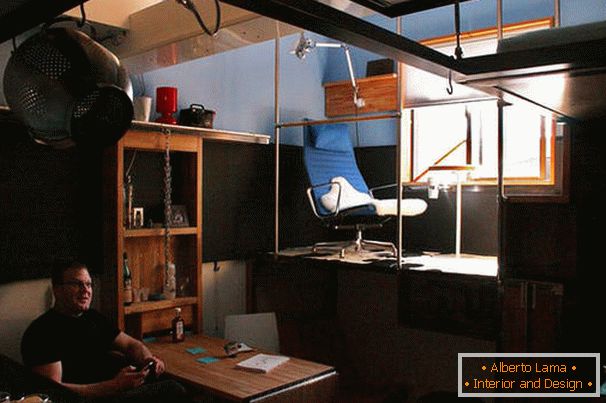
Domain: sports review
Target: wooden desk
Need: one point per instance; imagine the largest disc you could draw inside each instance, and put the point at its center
(294, 381)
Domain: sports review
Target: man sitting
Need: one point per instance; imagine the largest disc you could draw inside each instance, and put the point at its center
(72, 344)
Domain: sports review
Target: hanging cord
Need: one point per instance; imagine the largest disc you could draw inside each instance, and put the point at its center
(189, 4)
(167, 204)
(83, 14)
(130, 164)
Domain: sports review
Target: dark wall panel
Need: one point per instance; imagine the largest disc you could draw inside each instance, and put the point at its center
(50, 205)
(238, 197)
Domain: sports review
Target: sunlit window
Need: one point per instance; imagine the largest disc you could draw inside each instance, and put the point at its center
(466, 134)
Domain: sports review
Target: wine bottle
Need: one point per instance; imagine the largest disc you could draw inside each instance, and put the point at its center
(128, 285)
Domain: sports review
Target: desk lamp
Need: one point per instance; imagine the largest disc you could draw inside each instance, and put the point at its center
(305, 45)
(442, 176)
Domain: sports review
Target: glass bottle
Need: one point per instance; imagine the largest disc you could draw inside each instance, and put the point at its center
(128, 285)
(178, 327)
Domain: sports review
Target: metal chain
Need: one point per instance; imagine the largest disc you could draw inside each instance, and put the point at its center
(167, 202)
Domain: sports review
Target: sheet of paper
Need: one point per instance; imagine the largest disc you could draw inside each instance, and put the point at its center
(207, 360)
(195, 350)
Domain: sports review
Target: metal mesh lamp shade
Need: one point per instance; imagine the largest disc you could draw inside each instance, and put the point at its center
(68, 89)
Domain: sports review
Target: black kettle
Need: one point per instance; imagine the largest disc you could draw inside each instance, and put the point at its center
(196, 116)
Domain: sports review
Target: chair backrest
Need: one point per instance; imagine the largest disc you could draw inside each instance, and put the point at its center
(255, 329)
(327, 154)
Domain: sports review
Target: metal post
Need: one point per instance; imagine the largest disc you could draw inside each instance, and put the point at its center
(399, 153)
(458, 220)
(557, 17)
(458, 49)
(501, 198)
(277, 140)
(499, 19)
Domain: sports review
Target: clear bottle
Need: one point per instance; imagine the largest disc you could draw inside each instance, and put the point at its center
(178, 327)
(128, 282)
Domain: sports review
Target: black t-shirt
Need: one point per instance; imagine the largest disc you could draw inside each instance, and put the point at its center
(82, 344)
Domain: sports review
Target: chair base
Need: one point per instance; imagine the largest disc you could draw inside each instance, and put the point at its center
(358, 244)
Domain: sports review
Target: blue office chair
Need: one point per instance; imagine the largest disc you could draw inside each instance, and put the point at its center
(339, 195)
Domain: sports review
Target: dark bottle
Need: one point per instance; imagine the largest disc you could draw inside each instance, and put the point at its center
(128, 282)
(178, 327)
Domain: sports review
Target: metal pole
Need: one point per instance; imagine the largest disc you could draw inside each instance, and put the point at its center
(458, 49)
(501, 198)
(458, 220)
(499, 19)
(399, 153)
(277, 139)
(557, 17)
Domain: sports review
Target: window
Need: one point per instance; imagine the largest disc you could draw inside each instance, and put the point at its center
(467, 133)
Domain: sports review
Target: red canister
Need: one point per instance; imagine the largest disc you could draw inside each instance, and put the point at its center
(166, 104)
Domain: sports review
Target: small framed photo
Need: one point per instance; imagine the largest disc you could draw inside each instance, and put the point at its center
(138, 219)
(179, 216)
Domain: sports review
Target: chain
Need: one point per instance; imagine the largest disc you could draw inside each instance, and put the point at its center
(167, 202)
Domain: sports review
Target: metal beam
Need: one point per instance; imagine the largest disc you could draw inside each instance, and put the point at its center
(324, 20)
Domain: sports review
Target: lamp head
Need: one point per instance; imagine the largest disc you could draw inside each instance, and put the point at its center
(303, 46)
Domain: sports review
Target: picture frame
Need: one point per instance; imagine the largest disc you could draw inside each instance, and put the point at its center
(138, 218)
(178, 216)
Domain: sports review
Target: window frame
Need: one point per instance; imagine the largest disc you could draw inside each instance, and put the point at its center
(551, 185)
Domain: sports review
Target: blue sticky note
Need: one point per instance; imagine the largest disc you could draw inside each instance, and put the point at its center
(195, 350)
(207, 360)
(149, 339)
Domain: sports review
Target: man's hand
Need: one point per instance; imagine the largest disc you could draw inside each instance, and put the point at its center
(159, 366)
(129, 378)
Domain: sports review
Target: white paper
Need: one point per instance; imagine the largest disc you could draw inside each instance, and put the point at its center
(262, 362)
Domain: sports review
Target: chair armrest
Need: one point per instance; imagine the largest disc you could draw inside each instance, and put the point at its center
(371, 190)
(312, 201)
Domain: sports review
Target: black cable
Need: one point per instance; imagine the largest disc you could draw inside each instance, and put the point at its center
(83, 13)
(188, 4)
(14, 44)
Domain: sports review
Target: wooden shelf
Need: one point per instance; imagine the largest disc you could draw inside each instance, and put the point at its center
(379, 94)
(148, 306)
(146, 248)
(143, 232)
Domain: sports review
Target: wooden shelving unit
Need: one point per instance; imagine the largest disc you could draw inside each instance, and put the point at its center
(145, 247)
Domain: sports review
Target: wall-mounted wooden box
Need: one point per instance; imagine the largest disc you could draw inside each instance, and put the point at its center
(378, 92)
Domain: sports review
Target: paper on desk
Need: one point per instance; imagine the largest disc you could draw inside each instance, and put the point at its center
(195, 350)
(207, 360)
(262, 362)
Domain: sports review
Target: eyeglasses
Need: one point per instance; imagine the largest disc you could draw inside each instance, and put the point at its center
(79, 284)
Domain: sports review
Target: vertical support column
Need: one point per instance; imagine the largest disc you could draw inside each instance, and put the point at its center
(399, 153)
(499, 19)
(557, 17)
(458, 219)
(277, 139)
(458, 49)
(500, 189)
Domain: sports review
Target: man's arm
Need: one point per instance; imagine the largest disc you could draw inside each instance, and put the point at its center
(137, 352)
(127, 378)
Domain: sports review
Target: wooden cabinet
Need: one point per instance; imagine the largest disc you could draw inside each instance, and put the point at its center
(531, 316)
(141, 152)
(379, 94)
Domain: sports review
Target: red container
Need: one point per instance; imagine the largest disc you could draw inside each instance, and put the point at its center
(166, 104)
